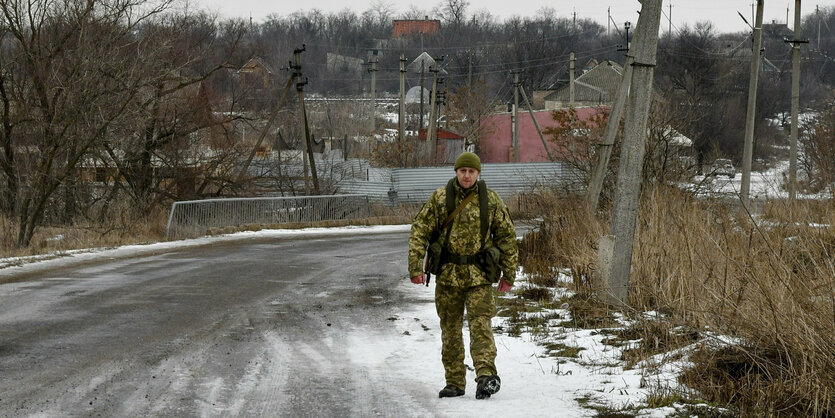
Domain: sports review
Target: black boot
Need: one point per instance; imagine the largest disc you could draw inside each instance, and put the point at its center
(450, 391)
(487, 385)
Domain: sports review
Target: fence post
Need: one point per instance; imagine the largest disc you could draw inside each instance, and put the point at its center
(170, 217)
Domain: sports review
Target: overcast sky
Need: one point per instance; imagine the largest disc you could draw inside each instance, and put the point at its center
(723, 13)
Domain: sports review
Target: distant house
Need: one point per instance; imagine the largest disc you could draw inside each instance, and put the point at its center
(450, 145)
(495, 143)
(344, 64)
(415, 27)
(595, 87)
(255, 70)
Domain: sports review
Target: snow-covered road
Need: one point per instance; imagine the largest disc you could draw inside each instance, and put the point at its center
(278, 323)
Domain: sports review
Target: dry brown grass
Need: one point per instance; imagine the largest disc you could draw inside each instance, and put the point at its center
(122, 226)
(770, 283)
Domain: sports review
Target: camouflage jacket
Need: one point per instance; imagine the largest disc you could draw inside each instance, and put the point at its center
(464, 237)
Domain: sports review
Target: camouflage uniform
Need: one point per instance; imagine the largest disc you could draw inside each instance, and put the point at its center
(460, 286)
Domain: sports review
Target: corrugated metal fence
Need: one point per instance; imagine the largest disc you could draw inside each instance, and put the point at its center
(410, 185)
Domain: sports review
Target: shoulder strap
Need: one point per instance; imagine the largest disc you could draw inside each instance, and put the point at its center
(457, 210)
(483, 209)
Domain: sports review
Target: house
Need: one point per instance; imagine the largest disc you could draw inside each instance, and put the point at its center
(344, 64)
(450, 145)
(497, 136)
(415, 27)
(256, 71)
(595, 87)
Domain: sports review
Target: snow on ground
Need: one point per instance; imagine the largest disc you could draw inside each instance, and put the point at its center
(15, 265)
(534, 383)
(767, 184)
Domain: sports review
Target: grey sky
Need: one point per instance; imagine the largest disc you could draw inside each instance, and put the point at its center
(723, 13)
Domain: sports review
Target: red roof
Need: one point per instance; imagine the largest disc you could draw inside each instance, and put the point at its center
(442, 134)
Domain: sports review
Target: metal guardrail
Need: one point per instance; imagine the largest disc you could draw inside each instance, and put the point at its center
(194, 217)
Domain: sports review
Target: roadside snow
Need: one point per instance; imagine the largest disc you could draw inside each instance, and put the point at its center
(16, 265)
(534, 383)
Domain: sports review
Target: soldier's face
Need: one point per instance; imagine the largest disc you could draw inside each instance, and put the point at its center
(467, 176)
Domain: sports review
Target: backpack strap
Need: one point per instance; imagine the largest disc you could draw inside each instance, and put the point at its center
(483, 207)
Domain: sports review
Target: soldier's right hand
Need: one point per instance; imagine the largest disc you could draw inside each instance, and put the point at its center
(419, 279)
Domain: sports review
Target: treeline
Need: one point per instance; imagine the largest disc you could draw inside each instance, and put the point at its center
(146, 100)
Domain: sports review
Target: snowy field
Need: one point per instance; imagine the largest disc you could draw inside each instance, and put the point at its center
(768, 184)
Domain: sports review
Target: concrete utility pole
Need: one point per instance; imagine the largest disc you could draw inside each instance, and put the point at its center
(795, 101)
(670, 20)
(373, 71)
(441, 104)
(615, 254)
(818, 14)
(401, 117)
(433, 99)
(535, 123)
(469, 69)
(420, 118)
(514, 117)
(571, 79)
(748, 150)
(606, 145)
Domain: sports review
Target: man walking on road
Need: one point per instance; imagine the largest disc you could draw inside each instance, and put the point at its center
(475, 243)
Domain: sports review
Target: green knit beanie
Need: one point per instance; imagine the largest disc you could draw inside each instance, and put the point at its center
(468, 159)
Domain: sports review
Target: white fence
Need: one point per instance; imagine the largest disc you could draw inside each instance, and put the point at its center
(195, 217)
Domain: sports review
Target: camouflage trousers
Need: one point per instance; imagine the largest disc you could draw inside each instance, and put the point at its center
(450, 302)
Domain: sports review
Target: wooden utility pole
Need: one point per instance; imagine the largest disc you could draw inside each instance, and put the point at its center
(795, 101)
(605, 149)
(514, 117)
(297, 75)
(401, 117)
(373, 71)
(571, 80)
(301, 81)
(433, 99)
(615, 256)
(536, 123)
(266, 129)
(748, 150)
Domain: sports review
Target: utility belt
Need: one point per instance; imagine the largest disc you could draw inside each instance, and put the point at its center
(487, 260)
(460, 259)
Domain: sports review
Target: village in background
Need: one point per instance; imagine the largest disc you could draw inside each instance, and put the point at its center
(180, 105)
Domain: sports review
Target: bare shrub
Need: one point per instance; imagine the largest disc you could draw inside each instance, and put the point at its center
(769, 284)
(564, 238)
(818, 156)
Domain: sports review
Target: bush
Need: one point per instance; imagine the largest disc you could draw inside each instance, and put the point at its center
(709, 266)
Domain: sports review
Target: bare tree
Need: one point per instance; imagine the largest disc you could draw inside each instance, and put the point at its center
(72, 72)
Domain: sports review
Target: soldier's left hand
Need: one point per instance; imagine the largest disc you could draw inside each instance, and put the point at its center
(504, 286)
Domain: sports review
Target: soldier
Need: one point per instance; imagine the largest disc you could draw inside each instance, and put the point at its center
(465, 278)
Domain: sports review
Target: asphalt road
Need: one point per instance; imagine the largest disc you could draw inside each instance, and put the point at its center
(252, 328)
